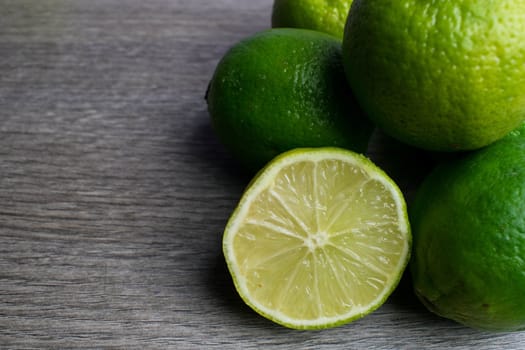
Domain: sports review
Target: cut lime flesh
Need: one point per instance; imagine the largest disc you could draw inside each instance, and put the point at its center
(320, 238)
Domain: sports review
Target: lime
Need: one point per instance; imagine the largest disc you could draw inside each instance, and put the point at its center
(281, 89)
(322, 15)
(439, 75)
(320, 238)
(469, 243)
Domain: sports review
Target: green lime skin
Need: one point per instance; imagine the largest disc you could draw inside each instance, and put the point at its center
(439, 75)
(468, 222)
(281, 89)
(321, 15)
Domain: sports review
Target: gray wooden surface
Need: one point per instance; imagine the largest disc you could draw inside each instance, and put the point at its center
(114, 190)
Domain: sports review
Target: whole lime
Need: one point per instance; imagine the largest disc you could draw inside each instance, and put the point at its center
(281, 89)
(469, 237)
(440, 75)
(325, 16)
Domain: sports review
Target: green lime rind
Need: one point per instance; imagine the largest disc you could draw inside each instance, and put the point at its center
(442, 76)
(325, 16)
(281, 89)
(469, 241)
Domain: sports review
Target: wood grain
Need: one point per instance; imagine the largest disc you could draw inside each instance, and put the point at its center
(114, 190)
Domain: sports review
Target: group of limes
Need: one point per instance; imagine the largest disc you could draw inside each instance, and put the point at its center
(321, 235)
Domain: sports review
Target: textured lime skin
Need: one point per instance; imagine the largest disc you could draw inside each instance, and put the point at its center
(469, 237)
(322, 15)
(282, 89)
(445, 75)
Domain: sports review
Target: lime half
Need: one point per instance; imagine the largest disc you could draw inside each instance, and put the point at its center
(320, 238)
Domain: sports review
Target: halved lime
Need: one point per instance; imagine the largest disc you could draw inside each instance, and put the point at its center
(320, 238)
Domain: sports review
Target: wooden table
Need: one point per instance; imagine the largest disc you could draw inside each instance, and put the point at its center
(114, 190)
